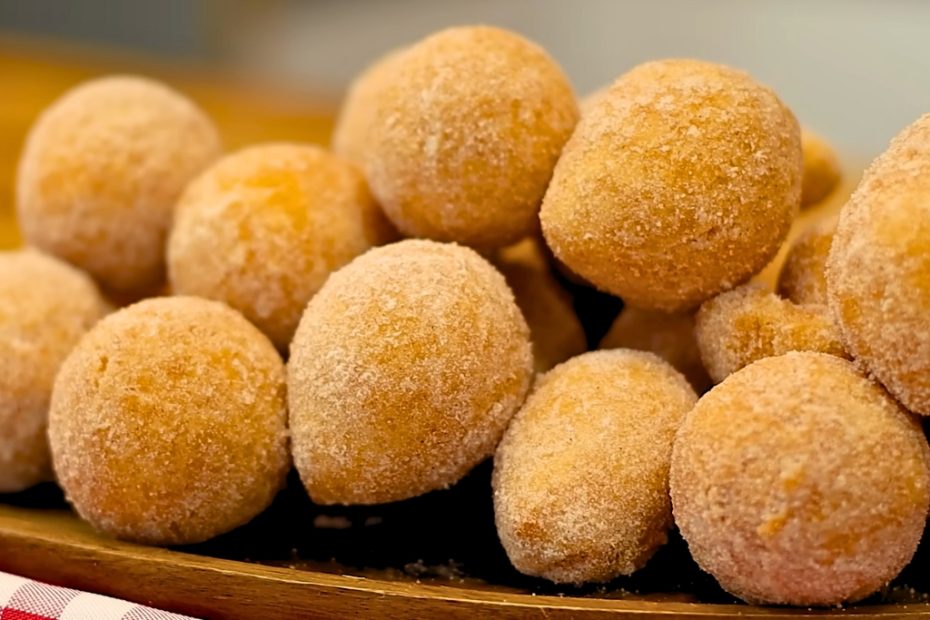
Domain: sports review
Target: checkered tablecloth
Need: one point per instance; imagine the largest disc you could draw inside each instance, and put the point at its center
(25, 599)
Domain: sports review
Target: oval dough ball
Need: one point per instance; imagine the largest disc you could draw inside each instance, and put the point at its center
(101, 171)
(581, 476)
(263, 228)
(556, 332)
(404, 371)
(680, 183)
(749, 323)
(821, 169)
(469, 124)
(168, 422)
(670, 336)
(45, 307)
(803, 277)
(878, 271)
(798, 481)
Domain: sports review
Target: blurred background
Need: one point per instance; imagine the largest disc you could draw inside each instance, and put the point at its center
(856, 71)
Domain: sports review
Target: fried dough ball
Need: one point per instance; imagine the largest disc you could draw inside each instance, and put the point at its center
(45, 307)
(680, 183)
(404, 371)
(263, 228)
(581, 476)
(803, 278)
(821, 169)
(799, 481)
(357, 114)
(468, 125)
(168, 422)
(749, 323)
(101, 171)
(670, 336)
(878, 271)
(556, 332)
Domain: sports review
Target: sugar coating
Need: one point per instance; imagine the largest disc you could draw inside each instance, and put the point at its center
(878, 271)
(803, 276)
(556, 332)
(799, 481)
(822, 171)
(581, 476)
(101, 171)
(263, 228)
(467, 128)
(749, 323)
(681, 182)
(670, 336)
(404, 371)
(45, 307)
(357, 114)
(168, 422)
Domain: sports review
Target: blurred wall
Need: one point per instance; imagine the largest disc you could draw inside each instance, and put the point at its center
(856, 70)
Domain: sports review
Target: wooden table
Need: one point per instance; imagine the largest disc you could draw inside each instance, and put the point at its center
(33, 73)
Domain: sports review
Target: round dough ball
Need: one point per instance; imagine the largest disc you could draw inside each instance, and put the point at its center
(168, 422)
(404, 371)
(357, 114)
(680, 183)
(263, 228)
(878, 271)
(749, 323)
(581, 476)
(101, 171)
(45, 307)
(798, 481)
(821, 169)
(803, 277)
(670, 336)
(468, 125)
(556, 332)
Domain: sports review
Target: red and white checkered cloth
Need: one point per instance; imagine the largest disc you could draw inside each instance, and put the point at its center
(25, 599)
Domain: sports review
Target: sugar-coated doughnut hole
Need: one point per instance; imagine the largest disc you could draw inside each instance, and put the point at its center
(556, 332)
(749, 323)
(46, 305)
(799, 481)
(670, 336)
(803, 276)
(822, 171)
(404, 371)
(581, 476)
(681, 182)
(467, 127)
(100, 174)
(878, 271)
(168, 422)
(263, 228)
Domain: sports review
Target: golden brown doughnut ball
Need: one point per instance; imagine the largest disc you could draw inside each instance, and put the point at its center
(821, 169)
(168, 422)
(798, 481)
(581, 476)
(404, 371)
(469, 124)
(556, 332)
(357, 114)
(263, 228)
(878, 271)
(670, 336)
(749, 323)
(45, 307)
(101, 171)
(803, 276)
(681, 182)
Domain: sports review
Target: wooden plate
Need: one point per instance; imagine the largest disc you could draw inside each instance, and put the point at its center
(436, 556)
